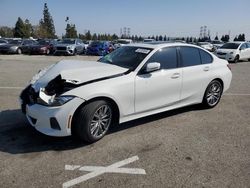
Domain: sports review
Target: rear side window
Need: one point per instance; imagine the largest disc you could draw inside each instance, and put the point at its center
(167, 57)
(190, 56)
(205, 57)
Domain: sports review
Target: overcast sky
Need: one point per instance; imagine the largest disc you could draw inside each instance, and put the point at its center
(144, 17)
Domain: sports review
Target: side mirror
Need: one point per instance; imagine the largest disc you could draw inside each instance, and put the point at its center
(151, 67)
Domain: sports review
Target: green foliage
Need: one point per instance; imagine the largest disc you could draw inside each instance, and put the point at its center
(19, 30)
(241, 37)
(225, 38)
(6, 31)
(47, 23)
(71, 31)
(88, 35)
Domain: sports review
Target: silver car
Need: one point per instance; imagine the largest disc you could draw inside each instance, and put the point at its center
(69, 47)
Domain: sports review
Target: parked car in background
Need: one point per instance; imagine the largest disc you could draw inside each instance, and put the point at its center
(234, 51)
(86, 44)
(122, 42)
(43, 46)
(206, 45)
(17, 46)
(3, 41)
(84, 98)
(100, 48)
(217, 44)
(69, 46)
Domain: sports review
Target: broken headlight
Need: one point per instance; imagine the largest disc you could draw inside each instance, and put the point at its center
(55, 101)
(59, 101)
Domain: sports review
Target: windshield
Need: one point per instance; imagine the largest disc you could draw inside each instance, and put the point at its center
(230, 46)
(68, 41)
(43, 42)
(96, 44)
(3, 41)
(123, 41)
(15, 42)
(127, 57)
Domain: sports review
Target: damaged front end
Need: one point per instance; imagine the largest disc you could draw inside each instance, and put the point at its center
(50, 95)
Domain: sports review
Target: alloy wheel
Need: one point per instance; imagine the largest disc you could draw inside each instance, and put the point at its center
(214, 94)
(101, 121)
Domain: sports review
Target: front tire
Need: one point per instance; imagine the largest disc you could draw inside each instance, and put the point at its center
(19, 51)
(236, 59)
(212, 94)
(92, 121)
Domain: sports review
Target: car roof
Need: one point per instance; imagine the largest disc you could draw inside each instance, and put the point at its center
(155, 45)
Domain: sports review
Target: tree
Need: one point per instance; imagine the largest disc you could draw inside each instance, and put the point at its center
(71, 31)
(88, 35)
(225, 38)
(28, 29)
(216, 38)
(19, 30)
(48, 22)
(6, 31)
(94, 36)
(165, 38)
(115, 37)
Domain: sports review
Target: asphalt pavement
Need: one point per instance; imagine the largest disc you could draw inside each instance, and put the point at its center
(187, 147)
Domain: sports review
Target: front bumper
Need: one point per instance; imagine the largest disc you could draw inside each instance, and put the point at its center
(52, 121)
(228, 57)
(64, 52)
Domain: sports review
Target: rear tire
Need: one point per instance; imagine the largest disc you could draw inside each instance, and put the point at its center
(212, 94)
(92, 121)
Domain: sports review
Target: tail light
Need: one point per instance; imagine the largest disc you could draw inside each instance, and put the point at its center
(229, 66)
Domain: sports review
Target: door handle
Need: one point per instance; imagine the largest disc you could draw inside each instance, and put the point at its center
(206, 69)
(175, 75)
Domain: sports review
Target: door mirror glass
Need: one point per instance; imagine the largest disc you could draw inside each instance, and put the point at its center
(151, 67)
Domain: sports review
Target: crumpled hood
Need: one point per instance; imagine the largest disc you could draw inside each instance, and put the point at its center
(78, 72)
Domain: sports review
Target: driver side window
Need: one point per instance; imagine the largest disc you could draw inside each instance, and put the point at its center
(167, 57)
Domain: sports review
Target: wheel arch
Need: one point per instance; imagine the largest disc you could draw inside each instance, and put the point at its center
(218, 79)
(108, 99)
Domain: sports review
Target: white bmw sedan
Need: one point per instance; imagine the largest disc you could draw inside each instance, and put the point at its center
(84, 98)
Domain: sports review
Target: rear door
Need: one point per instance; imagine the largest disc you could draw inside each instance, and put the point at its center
(160, 88)
(197, 67)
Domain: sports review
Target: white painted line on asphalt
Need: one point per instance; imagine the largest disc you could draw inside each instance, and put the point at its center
(11, 87)
(98, 170)
(72, 167)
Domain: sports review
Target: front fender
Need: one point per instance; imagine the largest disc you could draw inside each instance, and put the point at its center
(120, 90)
